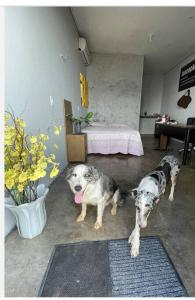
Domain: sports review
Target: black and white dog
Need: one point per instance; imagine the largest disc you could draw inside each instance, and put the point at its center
(148, 193)
(91, 186)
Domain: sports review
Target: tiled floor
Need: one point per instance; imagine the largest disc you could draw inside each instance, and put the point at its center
(26, 260)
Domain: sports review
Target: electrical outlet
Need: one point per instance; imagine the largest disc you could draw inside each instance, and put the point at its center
(51, 100)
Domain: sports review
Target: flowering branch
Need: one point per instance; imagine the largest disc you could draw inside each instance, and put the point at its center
(25, 160)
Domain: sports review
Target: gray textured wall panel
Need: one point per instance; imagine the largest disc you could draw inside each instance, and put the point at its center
(115, 84)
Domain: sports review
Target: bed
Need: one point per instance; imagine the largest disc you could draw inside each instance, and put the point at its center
(112, 139)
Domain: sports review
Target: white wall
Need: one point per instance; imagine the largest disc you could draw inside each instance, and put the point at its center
(171, 95)
(151, 100)
(34, 71)
(152, 92)
(115, 83)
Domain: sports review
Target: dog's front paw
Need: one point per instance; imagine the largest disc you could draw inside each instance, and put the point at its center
(97, 225)
(134, 250)
(171, 198)
(113, 211)
(80, 218)
(130, 238)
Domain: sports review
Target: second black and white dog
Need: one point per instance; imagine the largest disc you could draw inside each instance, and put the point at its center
(148, 193)
(91, 186)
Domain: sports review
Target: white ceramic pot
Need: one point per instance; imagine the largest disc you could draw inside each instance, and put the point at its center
(30, 217)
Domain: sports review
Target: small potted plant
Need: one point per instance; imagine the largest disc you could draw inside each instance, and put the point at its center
(78, 121)
(26, 163)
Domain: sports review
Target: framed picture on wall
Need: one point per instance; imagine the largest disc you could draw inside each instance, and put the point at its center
(187, 76)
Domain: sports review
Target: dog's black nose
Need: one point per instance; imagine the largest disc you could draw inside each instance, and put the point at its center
(78, 188)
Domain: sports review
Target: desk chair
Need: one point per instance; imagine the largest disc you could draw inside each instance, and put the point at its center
(190, 121)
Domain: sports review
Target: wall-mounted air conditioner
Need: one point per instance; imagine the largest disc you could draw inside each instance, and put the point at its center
(85, 54)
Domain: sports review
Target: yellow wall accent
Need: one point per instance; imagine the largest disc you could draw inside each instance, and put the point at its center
(84, 90)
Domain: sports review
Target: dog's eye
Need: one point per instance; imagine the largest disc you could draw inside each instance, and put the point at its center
(86, 175)
(75, 175)
(137, 207)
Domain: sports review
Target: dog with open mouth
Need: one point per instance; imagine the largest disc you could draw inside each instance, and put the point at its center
(91, 186)
(148, 193)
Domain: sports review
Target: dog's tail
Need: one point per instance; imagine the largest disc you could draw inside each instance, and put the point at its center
(123, 196)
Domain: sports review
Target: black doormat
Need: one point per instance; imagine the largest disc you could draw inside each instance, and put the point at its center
(105, 268)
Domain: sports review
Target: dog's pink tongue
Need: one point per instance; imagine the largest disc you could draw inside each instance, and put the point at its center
(78, 197)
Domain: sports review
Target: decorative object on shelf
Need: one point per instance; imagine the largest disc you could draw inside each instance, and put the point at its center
(185, 100)
(153, 116)
(25, 164)
(145, 113)
(84, 91)
(164, 119)
(78, 121)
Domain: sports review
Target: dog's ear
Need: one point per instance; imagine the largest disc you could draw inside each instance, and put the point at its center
(69, 173)
(133, 193)
(94, 172)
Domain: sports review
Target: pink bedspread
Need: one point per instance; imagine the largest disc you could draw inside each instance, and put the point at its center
(111, 140)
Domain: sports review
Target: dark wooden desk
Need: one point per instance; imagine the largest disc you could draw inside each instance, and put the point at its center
(181, 132)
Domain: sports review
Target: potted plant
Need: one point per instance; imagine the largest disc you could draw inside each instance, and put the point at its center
(26, 163)
(78, 121)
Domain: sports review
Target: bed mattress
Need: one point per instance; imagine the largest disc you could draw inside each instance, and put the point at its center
(112, 140)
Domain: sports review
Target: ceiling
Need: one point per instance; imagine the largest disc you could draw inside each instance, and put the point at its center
(164, 35)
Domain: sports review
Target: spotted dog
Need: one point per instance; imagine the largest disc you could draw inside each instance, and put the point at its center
(148, 193)
(91, 186)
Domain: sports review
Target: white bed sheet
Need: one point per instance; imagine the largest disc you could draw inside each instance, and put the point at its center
(111, 140)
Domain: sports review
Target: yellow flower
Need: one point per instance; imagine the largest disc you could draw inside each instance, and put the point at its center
(23, 177)
(8, 142)
(33, 177)
(20, 187)
(20, 122)
(17, 167)
(42, 173)
(33, 139)
(51, 159)
(54, 172)
(9, 183)
(44, 137)
(43, 165)
(57, 130)
(6, 117)
(32, 151)
(39, 173)
(55, 146)
(9, 174)
(15, 154)
(52, 156)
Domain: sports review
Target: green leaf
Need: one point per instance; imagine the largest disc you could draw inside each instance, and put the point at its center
(89, 115)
